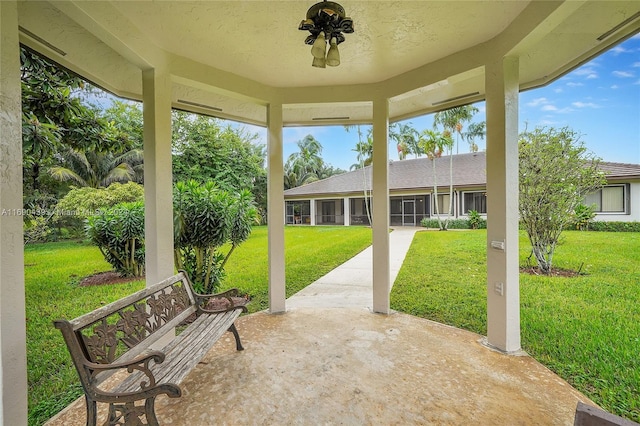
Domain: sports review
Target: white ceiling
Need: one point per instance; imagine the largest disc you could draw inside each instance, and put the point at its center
(231, 58)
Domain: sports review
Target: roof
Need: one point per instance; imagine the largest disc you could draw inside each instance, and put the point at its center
(469, 170)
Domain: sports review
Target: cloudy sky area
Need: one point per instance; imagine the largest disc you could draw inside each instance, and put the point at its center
(600, 100)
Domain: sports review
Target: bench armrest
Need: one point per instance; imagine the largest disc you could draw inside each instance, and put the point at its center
(232, 297)
(140, 363)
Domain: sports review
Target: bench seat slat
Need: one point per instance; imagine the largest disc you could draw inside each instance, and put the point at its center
(185, 351)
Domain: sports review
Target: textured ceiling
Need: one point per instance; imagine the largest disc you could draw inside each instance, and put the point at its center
(232, 58)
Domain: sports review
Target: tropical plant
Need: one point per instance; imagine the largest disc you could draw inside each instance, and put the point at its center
(119, 234)
(305, 165)
(406, 138)
(556, 171)
(364, 149)
(434, 144)
(205, 218)
(582, 216)
(475, 220)
(475, 131)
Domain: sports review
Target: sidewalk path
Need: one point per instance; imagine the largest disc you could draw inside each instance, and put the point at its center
(350, 285)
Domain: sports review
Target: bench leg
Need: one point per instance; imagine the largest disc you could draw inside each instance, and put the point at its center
(237, 336)
(92, 412)
(150, 412)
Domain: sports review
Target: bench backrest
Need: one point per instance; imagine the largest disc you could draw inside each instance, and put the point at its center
(125, 328)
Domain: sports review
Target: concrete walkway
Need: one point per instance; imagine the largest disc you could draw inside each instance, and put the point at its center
(350, 285)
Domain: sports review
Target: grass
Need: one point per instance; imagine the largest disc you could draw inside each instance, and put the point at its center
(53, 271)
(586, 328)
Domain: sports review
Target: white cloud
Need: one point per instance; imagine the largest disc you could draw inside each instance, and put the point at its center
(637, 82)
(587, 72)
(558, 90)
(538, 101)
(585, 105)
(572, 84)
(636, 65)
(614, 87)
(549, 108)
(623, 74)
(618, 50)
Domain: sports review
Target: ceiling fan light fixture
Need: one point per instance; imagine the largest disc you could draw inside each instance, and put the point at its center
(326, 22)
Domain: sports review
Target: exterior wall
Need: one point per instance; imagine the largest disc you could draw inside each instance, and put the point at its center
(358, 215)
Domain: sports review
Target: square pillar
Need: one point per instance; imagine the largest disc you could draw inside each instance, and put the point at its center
(158, 185)
(380, 183)
(13, 346)
(503, 286)
(346, 210)
(275, 199)
(313, 204)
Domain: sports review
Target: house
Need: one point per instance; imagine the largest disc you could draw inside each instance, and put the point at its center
(248, 61)
(340, 199)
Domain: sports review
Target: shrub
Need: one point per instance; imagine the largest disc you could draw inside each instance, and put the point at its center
(205, 218)
(453, 223)
(119, 234)
(80, 203)
(582, 216)
(476, 221)
(36, 229)
(614, 226)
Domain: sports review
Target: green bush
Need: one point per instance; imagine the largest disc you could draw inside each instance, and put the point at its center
(119, 234)
(476, 221)
(36, 229)
(205, 218)
(582, 217)
(80, 203)
(614, 226)
(453, 223)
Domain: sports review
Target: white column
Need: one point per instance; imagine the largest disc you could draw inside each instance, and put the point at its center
(13, 346)
(275, 191)
(503, 288)
(346, 209)
(312, 211)
(381, 266)
(158, 198)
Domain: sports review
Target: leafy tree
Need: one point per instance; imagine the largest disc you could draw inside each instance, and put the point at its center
(205, 150)
(434, 144)
(205, 218)
(556, 172)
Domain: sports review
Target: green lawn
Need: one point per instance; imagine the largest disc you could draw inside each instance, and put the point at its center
(53, 271)
(586, 328)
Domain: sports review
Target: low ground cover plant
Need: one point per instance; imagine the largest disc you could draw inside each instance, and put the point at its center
(586, 328)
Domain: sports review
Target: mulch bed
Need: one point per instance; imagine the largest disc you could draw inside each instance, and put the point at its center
(105, 278)
(555, 272)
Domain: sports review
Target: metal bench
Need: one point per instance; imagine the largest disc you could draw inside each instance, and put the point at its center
(119, 336)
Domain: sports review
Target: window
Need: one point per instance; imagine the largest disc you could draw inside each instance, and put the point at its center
(610, 199)
(474, 201)
(443, 204)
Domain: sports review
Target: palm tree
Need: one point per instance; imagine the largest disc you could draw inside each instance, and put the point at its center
(305, 165)
(364, 148)
(406, 138)
(433, 144)
(98, 169)
(475, 130)
(452, 122)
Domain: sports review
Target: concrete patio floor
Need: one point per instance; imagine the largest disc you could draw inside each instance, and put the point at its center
(349, 366)
(329, 360)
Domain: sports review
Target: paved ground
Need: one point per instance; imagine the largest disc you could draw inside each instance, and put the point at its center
(329, 361)
(351, 284)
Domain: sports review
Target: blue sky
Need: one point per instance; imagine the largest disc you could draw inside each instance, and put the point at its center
(600, 101)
